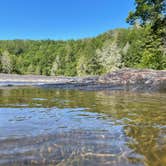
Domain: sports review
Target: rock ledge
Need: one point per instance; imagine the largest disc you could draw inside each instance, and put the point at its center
(123, 79)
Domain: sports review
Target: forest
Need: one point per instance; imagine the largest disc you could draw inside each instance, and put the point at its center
(142, 45)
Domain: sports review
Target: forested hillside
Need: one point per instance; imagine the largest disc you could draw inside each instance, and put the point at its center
(141, 46)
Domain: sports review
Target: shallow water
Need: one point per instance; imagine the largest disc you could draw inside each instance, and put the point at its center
(66, 127)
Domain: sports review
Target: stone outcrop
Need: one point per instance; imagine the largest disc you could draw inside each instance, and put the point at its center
(124, 79)
(136, 80)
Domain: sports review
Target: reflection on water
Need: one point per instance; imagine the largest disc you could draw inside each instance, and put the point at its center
(67, 127)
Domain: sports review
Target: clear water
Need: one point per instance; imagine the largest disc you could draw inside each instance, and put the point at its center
(66, 127)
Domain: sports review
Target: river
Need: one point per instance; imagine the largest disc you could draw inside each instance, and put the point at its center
(44, 126)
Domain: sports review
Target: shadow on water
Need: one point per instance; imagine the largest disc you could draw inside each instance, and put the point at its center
(69, 127)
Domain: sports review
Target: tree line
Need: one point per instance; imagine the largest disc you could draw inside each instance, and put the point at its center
(143, 45)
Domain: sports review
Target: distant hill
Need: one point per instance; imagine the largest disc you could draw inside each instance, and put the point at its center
(91, 56)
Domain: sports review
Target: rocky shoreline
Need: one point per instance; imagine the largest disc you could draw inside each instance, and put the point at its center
(123, 79)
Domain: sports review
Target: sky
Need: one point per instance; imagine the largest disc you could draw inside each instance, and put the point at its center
(61, 19)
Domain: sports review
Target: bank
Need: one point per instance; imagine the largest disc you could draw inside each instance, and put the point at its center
(123, 79)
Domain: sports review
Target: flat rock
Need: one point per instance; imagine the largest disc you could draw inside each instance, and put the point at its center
(136, 80)
(123, 79)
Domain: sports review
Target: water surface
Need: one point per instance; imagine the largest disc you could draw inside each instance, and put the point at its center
(68, 127)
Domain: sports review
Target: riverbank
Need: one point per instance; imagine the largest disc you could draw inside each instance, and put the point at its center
(123, 79)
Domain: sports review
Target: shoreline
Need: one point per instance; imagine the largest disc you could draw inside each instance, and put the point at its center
(123, 79)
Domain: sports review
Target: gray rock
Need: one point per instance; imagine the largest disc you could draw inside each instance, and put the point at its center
(137, 80)
(123, 79)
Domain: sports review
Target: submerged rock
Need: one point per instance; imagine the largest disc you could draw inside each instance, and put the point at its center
(123, 79)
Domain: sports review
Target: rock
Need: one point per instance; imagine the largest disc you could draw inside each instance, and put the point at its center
(136, 80)
(123, 79)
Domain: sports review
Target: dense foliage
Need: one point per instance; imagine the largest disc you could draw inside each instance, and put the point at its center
(151, 15)
(141, 46)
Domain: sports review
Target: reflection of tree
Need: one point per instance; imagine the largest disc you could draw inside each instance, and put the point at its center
(144, 142)
(142, 115)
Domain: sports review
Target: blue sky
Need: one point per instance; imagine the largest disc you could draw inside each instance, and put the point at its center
(61, 19)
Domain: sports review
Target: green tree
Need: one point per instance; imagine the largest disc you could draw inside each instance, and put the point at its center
(6, 62)
(148, 11)
(109, 57)
(149, 50)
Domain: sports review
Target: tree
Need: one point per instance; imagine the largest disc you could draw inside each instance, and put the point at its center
(148, 11)
(150, 49)
(0, 62)
(55, 67)
(6, 62)
(109, 57)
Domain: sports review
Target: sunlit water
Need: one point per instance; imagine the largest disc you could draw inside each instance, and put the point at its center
(66, 127)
